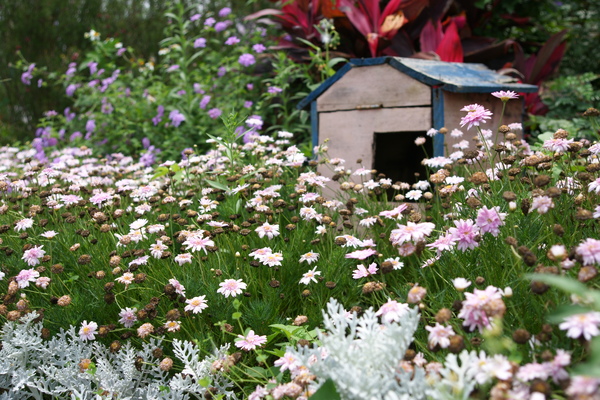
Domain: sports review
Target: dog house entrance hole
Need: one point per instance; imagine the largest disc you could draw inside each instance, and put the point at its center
(398, 157)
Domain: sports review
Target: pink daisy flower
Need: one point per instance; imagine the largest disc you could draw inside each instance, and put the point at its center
(466, 233)
(128, 317)
(582, 325)
(411, 232)
(231, 287)
(362, 272)
(542, 204)
(42, 282)
(392, 311)
(476, 115)
(310, 276)
(250, 341)
(557, 145)
(444, 243)
(26, 276)
(439, 335)
(179, 288)
(505, 95)
(197, 242)
(23, 224)
(489, 220)
(272, 259)
(145, 330)
(88, 330)
(196, 304)
(309, 257)
(184, 258)
(287, 362)
(361, 254)
(589, 250)
(156, 250)
(473, 309)
(33, 255)
(594, 186)
(268, 230)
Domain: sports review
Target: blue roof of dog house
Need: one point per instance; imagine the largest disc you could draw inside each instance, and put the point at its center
(448, 76)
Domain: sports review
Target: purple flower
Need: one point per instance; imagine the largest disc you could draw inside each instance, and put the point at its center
(204, 102)
(159, 113)
(72, 69)
(173, 68)
(71, 89)
(223, 12)
(259, 48)
(90, 125)
(274, 89)
(214, 113)
(246, 59)
(146, 142)
(254, 121)
(43, 132)
(93, 66)
(27, 75)
(68, 114)
(176, 118)
(232, 40)
(75, 135)
(50, 113)
(210, 21)
(221, 26)
(248, 104)
(222, 71)
(200, 42)
(40, 82)
(198, 88)
(250, 86)
(181, 92)
(121, 51)
(107, 108)
(195, 17)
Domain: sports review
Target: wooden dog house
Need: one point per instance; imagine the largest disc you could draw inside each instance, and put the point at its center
(373, 109)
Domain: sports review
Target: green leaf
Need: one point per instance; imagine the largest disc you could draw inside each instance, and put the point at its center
(563, 283)
(236, 315)
(566, 310)
(160, 172)
(257, 372)
(262, 358)
(327, 391)
(204, 382)
(336, 60)
(217, 185)
(569, 285)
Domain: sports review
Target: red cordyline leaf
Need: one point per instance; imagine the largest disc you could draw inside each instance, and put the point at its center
(373, 24)
(536, 68)
(450, 49)
(431, 36)
(295, 16)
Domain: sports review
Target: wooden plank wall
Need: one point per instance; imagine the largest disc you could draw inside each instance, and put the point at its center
(380, 85)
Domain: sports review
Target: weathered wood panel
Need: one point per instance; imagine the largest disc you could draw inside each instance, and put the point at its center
(350, 134)
(378, 85)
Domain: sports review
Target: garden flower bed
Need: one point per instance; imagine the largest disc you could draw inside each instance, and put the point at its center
(155, 244)
(212, 275)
